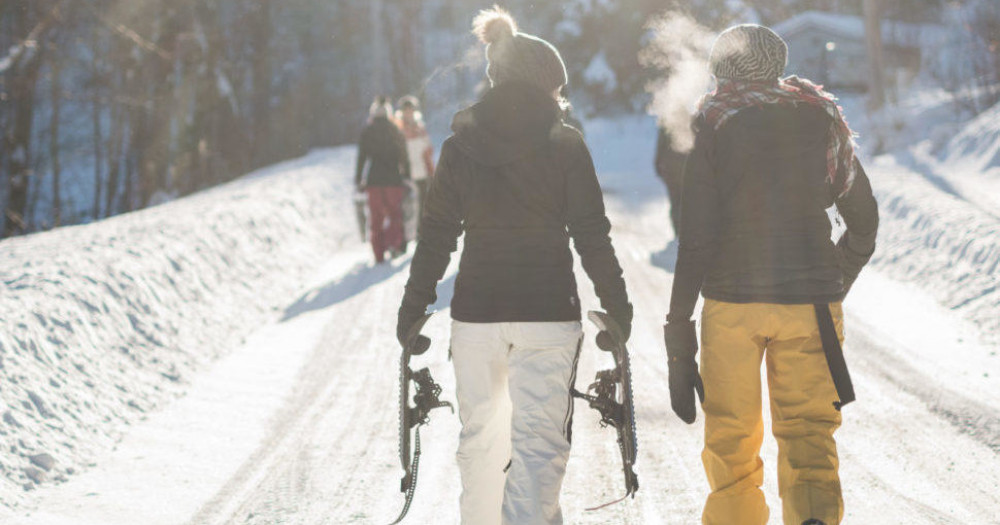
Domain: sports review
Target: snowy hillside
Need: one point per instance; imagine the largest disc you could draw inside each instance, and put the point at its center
(101, 324)
(972, 157)
(938, 187)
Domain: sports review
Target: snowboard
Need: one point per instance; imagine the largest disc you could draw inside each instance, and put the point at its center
(425, 397)
(361, 214)
(411, 211)
(611, 395)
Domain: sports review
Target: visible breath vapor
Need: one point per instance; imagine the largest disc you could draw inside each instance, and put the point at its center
(678, 49)
(446, 89)
(471, 59)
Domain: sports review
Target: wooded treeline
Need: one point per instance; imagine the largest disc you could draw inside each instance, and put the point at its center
(151, 99)
(108, 106)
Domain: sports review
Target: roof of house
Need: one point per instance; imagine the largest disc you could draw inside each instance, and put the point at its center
(851, 27)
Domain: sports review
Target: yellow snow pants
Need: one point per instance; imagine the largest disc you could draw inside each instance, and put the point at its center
(735, 339)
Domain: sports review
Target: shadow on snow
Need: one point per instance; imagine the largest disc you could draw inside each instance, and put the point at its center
(665, 258)
(360, 278)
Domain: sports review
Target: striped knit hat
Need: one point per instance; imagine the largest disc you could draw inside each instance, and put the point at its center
(748, 52)
(516, 56)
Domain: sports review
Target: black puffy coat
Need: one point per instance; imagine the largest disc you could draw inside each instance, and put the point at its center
(754, 226)
(520, 184)
(383, 144)
(669, 164)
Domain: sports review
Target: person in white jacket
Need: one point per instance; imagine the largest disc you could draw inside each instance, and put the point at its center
(418, 146)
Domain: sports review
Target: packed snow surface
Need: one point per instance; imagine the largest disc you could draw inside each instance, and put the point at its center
(259, 303)
(100, 324)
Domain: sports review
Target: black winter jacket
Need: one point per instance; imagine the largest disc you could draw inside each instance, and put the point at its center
(669, 163)
(519, 183)
(384, 145)
(754, 226)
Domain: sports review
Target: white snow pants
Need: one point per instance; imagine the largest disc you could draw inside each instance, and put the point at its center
(513, 381)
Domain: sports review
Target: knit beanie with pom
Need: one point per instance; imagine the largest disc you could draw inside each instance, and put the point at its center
(515, 56)
(381, 107)
(748, 52)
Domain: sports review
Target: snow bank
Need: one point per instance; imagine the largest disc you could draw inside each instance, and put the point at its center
(938, 189)
(978, 143)
(972, 158)
(100, 323)
(939, 242)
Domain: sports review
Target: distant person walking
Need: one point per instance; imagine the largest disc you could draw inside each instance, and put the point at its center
(418, 147)
(520, 184)
(669, 164)
(770, 156)
(382, 149)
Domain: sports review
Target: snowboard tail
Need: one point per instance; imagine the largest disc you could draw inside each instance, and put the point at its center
(611, 395)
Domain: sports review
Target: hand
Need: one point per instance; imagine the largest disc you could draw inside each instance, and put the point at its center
(405, 321)
(683, 377)
(623, 316)
(849, 260)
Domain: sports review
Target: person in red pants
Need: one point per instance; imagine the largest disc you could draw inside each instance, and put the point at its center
(382, 149)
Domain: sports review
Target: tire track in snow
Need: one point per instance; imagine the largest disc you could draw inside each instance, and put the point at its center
(969, 416)
(278, 462)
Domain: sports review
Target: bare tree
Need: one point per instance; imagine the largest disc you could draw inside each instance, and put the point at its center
(55, 68)
(33, 20)
(260, 37)
(379, 52)
(873, 37)
(155, 163)
(96, 86)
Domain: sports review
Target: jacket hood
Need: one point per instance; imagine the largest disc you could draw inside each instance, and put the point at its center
(512, 120)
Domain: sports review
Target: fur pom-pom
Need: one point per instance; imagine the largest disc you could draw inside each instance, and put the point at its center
(493, 25)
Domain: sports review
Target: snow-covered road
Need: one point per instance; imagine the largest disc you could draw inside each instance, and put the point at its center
(299, 424)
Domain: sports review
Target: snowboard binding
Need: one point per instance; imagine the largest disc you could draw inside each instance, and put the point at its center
(611, 395)
(426, 397)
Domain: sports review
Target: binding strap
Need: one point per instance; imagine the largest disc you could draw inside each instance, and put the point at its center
(834, 356)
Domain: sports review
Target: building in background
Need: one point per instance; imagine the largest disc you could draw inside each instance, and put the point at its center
(829, 49)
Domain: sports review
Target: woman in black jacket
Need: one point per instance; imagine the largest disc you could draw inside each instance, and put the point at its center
(519, 184)
(770, 156)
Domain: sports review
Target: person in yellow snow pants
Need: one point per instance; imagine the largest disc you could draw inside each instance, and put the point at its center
(735, 339)
(770, 156)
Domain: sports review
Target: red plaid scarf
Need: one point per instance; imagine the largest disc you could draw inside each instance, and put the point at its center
(731, 96)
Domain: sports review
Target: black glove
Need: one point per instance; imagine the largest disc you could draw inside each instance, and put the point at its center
(408, 316)
(684, 380)
(624, 322)
(623, 316)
